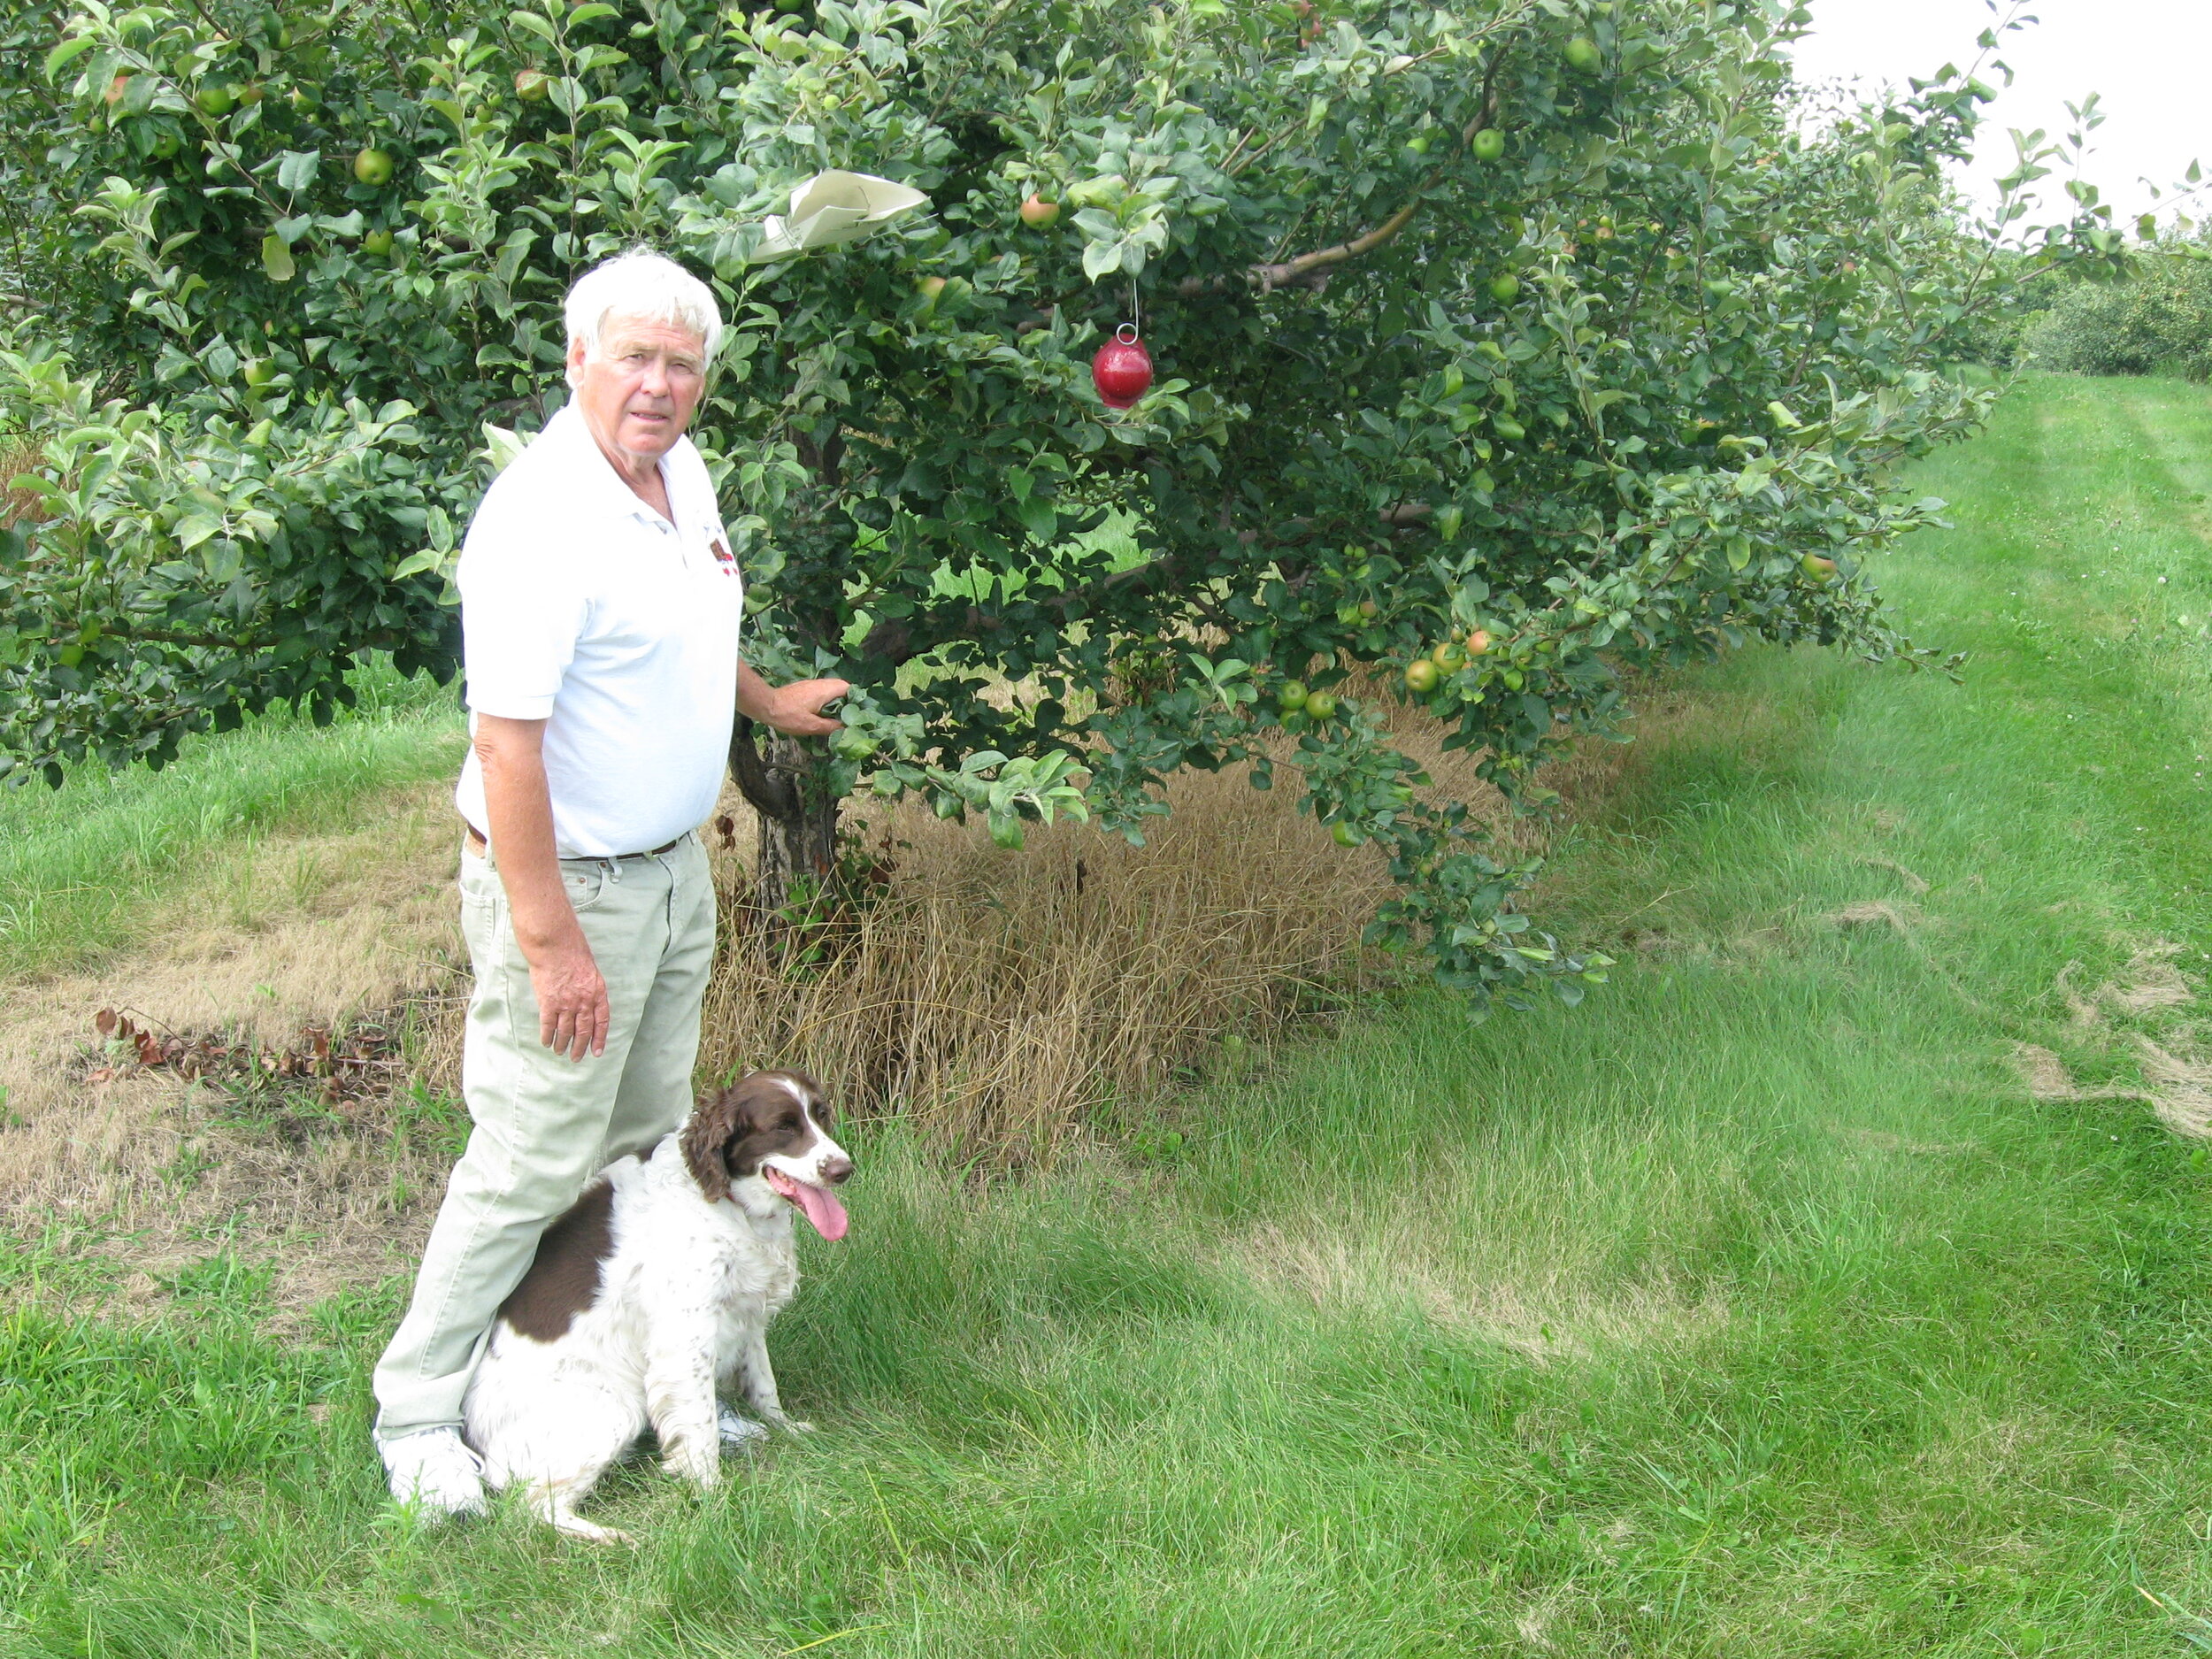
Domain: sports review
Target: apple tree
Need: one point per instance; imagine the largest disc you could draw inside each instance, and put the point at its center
(1502, 347)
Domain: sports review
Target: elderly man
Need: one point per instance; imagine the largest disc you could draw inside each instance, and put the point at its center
(600, 607)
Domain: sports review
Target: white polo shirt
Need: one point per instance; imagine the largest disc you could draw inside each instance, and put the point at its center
(582, 607)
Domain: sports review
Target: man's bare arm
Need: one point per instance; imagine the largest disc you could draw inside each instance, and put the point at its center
(796, 709)
(573, 1011)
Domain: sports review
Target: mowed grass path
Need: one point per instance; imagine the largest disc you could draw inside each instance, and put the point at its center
(83, 868)
(1753, 1308)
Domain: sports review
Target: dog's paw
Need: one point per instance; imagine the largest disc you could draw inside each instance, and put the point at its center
(591, 1531)
(740, 1434)
(703, 1469)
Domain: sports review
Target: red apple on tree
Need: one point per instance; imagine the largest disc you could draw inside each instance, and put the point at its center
(1037, 214)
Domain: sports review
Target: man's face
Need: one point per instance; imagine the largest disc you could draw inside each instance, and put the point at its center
(636, 390)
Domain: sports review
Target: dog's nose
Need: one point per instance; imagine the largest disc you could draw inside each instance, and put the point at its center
(836, 1171)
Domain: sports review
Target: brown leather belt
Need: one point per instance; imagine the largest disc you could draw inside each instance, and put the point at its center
(478, 845)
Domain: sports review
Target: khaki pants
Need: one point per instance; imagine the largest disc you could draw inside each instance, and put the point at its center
(543, 1125)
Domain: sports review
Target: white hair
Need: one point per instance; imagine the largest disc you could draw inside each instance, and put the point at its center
(648, 286)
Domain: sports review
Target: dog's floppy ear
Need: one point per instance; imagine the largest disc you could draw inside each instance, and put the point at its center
(712, 1123)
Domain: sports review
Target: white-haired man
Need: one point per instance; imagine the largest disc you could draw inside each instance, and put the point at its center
(600, 608)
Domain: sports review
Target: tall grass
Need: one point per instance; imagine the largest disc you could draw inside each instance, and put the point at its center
(1753, 1308)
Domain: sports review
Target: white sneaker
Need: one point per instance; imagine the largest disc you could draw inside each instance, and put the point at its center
(435, 1473)
(737, 1431)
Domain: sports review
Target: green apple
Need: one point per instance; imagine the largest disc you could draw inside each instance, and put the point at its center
(1345, 835)
(1821, 569)
(373, 167)
(377, 244)
(1321, 705)
(216, 101)
(1292, 696)
(1505, 287)
(1421, 676)
(1489, 145)
(1583, 56)
(257, 371)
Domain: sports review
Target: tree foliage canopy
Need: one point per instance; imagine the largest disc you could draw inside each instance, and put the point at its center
(1530, 338)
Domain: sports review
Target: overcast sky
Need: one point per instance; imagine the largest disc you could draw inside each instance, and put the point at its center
(2149, 58)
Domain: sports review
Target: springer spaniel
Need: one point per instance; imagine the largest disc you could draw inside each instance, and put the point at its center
(651, 1292)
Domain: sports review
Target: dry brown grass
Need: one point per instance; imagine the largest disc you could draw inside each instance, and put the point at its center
(16, 457)
(1003, 1004)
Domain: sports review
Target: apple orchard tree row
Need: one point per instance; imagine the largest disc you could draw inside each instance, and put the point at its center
(1529, 339)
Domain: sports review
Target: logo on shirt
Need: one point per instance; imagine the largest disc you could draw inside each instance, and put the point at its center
(724, 557)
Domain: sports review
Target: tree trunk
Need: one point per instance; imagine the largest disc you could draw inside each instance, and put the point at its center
(798, 817)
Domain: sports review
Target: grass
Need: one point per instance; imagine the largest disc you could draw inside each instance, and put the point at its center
(1753, 1308)
(84, 867)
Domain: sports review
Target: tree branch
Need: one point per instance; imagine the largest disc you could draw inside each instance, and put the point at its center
(769, 790)
(1311, 269)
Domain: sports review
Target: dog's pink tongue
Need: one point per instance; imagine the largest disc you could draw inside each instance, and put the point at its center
(823, 1209)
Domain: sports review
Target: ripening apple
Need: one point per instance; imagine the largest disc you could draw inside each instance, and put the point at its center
(1422, 676)
(1037, 214)
(1489, 145)
(930, 287)
(531, 85)
(249, 93)
(1821, 569)
(1478, 642)
(117, 87)
(373, 167)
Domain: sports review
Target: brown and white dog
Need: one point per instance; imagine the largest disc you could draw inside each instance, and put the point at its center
(652, 1293)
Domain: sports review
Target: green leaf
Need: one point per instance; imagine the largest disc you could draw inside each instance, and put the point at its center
(1038, 517)
(295, 169)
(1103, 258)
(534, 23)
(276, 258)
(66, 53)
(195, 528)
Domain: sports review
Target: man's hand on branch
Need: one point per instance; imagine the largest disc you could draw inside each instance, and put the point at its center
(794, 709)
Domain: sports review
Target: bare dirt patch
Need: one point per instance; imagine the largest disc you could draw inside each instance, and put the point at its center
(1396, 1263)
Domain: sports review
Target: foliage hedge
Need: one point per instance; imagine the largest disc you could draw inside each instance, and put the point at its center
(2156, 320)
(1504, 345)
